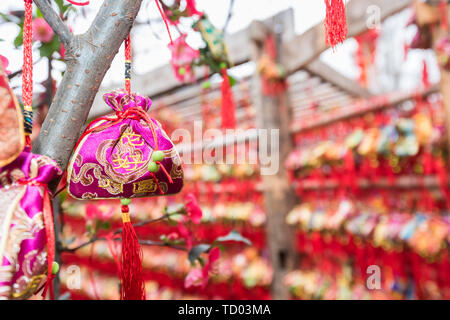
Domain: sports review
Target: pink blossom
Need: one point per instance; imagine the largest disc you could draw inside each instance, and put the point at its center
(191, 9)
(99, 211)
(42, 31)
(194, 278)
(183, 57)
(200, 277)
(62, 51)
(5, 62)
(186, 235)
(193, 210)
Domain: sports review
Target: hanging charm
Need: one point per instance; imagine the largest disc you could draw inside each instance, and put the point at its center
(125, 155)
(335, 22)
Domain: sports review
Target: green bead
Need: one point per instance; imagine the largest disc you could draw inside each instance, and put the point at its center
(206, 85)
(223, 65)
(55, 267)
(182, 71)
(158, 156)
(153, 167)
(125, 201)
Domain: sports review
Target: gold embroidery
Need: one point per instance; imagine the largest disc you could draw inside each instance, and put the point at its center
(30, 288)
(144, 186)
(89, 195)
(164, 187)
(176, 172)
(134, 163)
(111, 186)
(127, 156)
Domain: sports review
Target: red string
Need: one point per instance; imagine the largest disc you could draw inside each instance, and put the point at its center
(27, 74)
(165, 20)
(78, 3)
(128, 64)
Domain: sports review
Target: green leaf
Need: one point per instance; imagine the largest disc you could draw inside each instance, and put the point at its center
(39, 13)
(18, 41)
(9, 18)
(232, 80)
(104, 225)
(60, 5)
(196, 251)
(234, 236)
(47, 49)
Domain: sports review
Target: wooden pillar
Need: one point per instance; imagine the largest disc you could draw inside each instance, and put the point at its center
(279, 196)
(430, 15)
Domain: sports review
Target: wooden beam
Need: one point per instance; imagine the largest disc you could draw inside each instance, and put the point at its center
(359, 108)
(402, 182)
(274, 113)
(303, 49)
(337, 79)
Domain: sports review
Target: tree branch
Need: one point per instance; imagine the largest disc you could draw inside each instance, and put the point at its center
(117, 231)
(55, 22)
(142, 242)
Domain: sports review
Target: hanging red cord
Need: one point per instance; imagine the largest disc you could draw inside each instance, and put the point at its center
(27, 74)
(165, 20)
(128, 64)
(78, 3)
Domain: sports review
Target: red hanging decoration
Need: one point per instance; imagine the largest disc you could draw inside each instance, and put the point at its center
(128, 64)
(27, 74)
(164, 19)
(228, 105)
(76, 3)
(132, 285)
(425, 76)
(444, 16)
(335, 22)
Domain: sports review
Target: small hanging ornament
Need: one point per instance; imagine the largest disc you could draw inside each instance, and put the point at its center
(335, 22)
(425, 75)
(183, 57)
(444, 15)
(125, 155)
(27, 236)
(228, 106)
(215, 55)
(272, 73)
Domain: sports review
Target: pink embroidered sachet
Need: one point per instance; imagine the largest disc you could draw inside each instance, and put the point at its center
(112, 157)
(25, 204)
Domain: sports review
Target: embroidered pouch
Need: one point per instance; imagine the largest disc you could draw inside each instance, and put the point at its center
(115, 156)
(25, 204)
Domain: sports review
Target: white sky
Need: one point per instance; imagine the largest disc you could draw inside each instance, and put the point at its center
(151, 52)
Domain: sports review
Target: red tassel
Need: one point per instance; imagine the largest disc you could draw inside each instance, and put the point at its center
(335, 22)
(228, 106)
(50, 234)
(131, 279)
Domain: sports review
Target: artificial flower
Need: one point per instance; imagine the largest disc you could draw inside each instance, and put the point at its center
(5, 62)
(193, 209)
(183, 56)
(42, 31)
